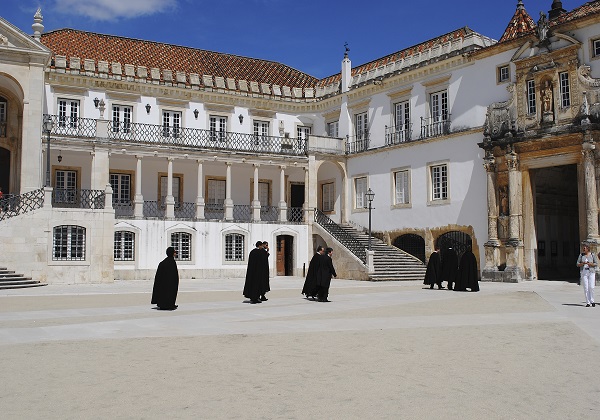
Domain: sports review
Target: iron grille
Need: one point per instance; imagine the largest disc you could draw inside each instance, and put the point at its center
(269, 213)
(153, 209)
(295, 214)
(460, 241)
(123, 209)
(433, 127)
(343, 237)
(79, 199)
(413, 244)
(77, 127)
(357, 144)
(242, 213)
(397, 135)
(214, 212)
(185, 211)
(14, 205)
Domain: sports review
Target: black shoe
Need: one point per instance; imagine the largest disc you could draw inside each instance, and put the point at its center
(594, 304)
(587, 305)
(440, 287)
(431, 287)
(263, 298)
(324, 300)
(253, 301)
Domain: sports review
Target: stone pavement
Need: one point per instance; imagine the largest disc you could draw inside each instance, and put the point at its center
(378, 350)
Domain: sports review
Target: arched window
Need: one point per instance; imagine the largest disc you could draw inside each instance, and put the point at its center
(124, 246)
(182, 242)
(411, 243)
(234, 247)
(68, 243)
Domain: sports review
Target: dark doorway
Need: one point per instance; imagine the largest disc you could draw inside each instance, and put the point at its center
(411, 243)
(285, 255)
(459, 241)
(4, 170)
(556, 222)
(296, 202)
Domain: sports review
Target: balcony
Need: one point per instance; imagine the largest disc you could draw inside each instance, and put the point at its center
(435, 126)
(358, 143)
(398, 135)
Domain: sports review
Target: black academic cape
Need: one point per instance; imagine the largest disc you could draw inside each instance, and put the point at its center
(432, 274)
(266, 287)
(310, 284)
(467, 273)
(254, 285)
(449, 266)
(325, 272)
(166, 284)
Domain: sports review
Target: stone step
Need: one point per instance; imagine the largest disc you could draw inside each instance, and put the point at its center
(11, 280)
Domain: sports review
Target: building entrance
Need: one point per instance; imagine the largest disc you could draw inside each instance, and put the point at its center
(556, 222)
(4, 170)
(285, 255)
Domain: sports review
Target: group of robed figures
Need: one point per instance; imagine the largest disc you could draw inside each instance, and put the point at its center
(257, 273)
(446, 267)
(318, 276)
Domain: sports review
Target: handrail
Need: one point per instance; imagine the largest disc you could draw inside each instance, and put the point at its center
(19, 204)
(342, 236)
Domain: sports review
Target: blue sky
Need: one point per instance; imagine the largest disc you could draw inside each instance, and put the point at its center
(308, 35)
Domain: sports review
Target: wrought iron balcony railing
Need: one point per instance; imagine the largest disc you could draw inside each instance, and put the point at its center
(153, 209)
(214, 211)
(67, 126)
(343, 237)
(123, 208)
(242, 213)
(358, 143)
(435, 126)
(14, 205)
(79, 199)
(269, 213)
(397, 135)
(295, 214)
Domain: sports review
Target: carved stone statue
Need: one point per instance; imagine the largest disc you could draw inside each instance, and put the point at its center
(547, 97)
(542, 27)
(500, 117)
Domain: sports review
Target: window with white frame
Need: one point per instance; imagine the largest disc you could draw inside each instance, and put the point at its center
(176, 189)
(402, 187)
(328, 196)
(3, 113)
(531, 97)
(68, 113)
(503, 74)
(438, 105)
(182, 242)
(302, 132)
(218, 127)
(565, 90)
(171, 123)
(65, 186)
(333, 129)
(361, 126)
(360, 189)
(261, 132)
(439, 182)
(121, 119)
(234, 247)
(596, 47)
(121, 186)
(124, 246)
(68, 243)
(264, 193)
(401, 130)
(216, 193)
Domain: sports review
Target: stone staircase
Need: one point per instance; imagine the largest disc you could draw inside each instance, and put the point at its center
(391, 263)
(10, 280)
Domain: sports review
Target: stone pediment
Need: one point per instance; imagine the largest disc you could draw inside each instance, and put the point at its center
(532, 49)
(12, 38)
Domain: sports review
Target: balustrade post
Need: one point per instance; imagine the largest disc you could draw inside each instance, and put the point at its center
(200, 195)
(108, 194)
(256, 201)
(282, 203)
(169, 199)
(228, 200)
(138, 203)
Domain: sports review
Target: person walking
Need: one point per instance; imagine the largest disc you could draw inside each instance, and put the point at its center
(254, 285)
(449, 266)
(166, 282)
(324, 275)
(587, 264)
(266, 286)
(468, 276)
(433, 272)
(310, 284)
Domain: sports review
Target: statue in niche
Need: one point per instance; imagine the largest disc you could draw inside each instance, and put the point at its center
(547, 100)
(503, 201)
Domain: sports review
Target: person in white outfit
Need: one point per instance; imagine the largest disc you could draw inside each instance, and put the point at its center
(587, 264)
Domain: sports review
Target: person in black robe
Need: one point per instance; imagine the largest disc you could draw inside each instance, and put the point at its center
(266, 286)
(166, 282)
(433, 272)
(324, 275)
(310, 284)
(254, 285)
(449, 267)
(468, 277)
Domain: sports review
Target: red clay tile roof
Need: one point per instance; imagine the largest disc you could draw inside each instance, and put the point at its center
(587, 9)
(520, 25)
(74, 43)
(459, 33)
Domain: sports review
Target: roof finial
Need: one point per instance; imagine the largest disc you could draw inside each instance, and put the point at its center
(520, 5)
(556, 9)
(346, 50)
(37, 26)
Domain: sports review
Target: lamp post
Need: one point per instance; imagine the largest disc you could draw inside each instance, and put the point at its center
(47, 126)
(370, 195)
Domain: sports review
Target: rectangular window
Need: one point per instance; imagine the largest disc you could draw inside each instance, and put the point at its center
(171, 123)
(234, 247)
(565, 90)
(218, 128)
(596, 47)
(439, 106)
(68, 113)
(164, 190)
(263, 193)
(68, 243)
(439, 182)
(401, 183)
(303, 133)
(216, 192)
(121, 186)
(503, 74)
(402, 116)
(65, 188)
(360, 189)
(328, 193)
(261, 132)
(182, 242)
(124, 246)
(531, 97)
(121, 119)
(361, 126)
(333, 129)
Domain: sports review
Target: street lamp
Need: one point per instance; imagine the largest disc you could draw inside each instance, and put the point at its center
(47, 125)
(370, 195)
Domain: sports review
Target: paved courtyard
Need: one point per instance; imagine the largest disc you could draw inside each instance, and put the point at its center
(377, 351)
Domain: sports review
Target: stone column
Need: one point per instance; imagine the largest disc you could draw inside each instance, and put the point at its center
(256, 201)
(169, 199)
(200, 194)
(282, 203)
(305, 205)
(492, 251)
(138, 202)
(100, 169)
(228, 200)
(591, 198)
(514, 259)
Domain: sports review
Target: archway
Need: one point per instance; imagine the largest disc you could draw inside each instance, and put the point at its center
(411, 243)
(284, 251)
(459, 241)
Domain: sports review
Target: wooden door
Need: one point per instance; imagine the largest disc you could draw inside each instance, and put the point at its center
(281, 256)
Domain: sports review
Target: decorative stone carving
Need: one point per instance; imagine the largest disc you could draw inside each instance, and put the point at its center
(3, 40)
(500, 117)
(584, 72)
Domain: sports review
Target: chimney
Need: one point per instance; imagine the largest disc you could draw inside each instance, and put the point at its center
(556, 10)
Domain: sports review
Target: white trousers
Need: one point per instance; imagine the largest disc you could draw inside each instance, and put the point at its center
(588, 280)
